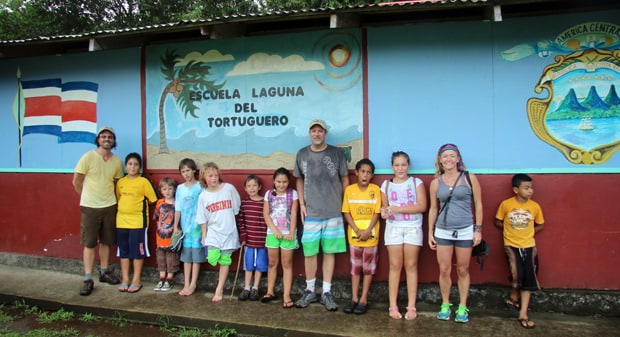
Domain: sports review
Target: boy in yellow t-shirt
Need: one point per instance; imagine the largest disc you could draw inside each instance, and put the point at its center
(361, 207)
(134, 194)
(520, 218)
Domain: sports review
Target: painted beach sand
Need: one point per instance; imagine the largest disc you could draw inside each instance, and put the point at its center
(170, 160)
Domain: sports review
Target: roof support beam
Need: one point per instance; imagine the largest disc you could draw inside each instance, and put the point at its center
(93, 45)
(344, 20)
(493, 13)
(223, 31)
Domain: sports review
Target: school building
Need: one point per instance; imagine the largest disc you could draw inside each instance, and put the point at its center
(520, 86)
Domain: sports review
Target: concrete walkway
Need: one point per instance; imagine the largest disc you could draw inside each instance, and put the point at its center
(53, 290)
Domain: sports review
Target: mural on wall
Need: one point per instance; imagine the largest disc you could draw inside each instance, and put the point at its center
(581, 114)
(48, 106)
(247, 102)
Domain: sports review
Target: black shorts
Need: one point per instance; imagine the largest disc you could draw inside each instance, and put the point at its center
(523, 263)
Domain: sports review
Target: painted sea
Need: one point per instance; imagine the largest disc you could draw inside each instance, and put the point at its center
(249, 142)
(603, 131)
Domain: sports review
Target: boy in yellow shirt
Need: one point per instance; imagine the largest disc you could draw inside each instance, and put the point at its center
(520, 217)
(362, 208)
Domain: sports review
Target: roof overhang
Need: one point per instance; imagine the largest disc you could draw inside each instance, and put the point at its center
(275, 22)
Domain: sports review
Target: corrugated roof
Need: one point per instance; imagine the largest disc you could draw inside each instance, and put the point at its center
(278, 21)
(249, 17)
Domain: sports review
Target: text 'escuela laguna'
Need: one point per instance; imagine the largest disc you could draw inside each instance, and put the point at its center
(247, 107)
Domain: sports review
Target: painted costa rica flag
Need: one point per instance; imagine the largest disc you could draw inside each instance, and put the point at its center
(42, 113)
(79, 112)
(67, 110)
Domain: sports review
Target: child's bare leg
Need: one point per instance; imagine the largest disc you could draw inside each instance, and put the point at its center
(287, 275)
(355, 287)
(219, 290)
(395, 256)
(257, 277)
(137, 272)
(514, 295)
(125, 263)
(248, 279)
(272, 271)
(525, 303)
(367, 281)
(194, 279)
(187, 273)
(411, 254)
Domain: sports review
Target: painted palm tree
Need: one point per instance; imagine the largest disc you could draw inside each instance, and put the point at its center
(192, 77)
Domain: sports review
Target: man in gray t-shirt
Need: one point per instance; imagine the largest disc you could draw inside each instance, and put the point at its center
(322, 175)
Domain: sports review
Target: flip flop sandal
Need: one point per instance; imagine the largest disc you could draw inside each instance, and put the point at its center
(394, 313)
(526, 323)
(288, 304)
(268, 298)
(411, 313)
(123, 287)
(513, 304)
(134, 289)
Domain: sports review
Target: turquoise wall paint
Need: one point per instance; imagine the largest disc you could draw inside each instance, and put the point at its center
(437, 83)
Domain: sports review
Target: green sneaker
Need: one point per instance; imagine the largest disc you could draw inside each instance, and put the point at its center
(462, 314)
(445, 312)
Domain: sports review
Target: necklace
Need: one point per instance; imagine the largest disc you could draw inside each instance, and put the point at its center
(452, 185)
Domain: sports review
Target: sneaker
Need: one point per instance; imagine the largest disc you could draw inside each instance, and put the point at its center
(87, 287)
(245, 294)
(167, 286)
(445, 312)
(305, 300)
(462, 314)
(350, 308)
(159, 285)
(328, 301)
(254, 295)
(107, 277)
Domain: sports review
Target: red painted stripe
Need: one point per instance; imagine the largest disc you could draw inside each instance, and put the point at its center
(79, 110)
(42, 106)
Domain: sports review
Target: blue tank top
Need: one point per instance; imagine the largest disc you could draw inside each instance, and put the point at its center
(459, 213)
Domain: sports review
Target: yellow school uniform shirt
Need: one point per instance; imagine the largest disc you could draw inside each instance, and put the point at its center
(362, 205)
(134, 195)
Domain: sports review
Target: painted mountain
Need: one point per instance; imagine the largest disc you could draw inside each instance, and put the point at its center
(612, 97)
(592, 106)
(594, 101)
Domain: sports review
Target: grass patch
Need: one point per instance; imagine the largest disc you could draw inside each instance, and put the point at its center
(21, 304)
(88, 317)
(120, 319)
(164, 324)
(45, 333)
(57, 316)
(33, 310)
(221, 332)
(5, 319)
(190, 332)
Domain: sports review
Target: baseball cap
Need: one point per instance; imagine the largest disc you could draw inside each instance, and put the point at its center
(106, 128)
(318, 122)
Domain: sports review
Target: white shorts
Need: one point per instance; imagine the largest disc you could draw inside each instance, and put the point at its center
(466, 233)
(399, 235)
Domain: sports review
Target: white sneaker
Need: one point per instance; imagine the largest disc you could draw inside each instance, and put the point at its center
(159, 285)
